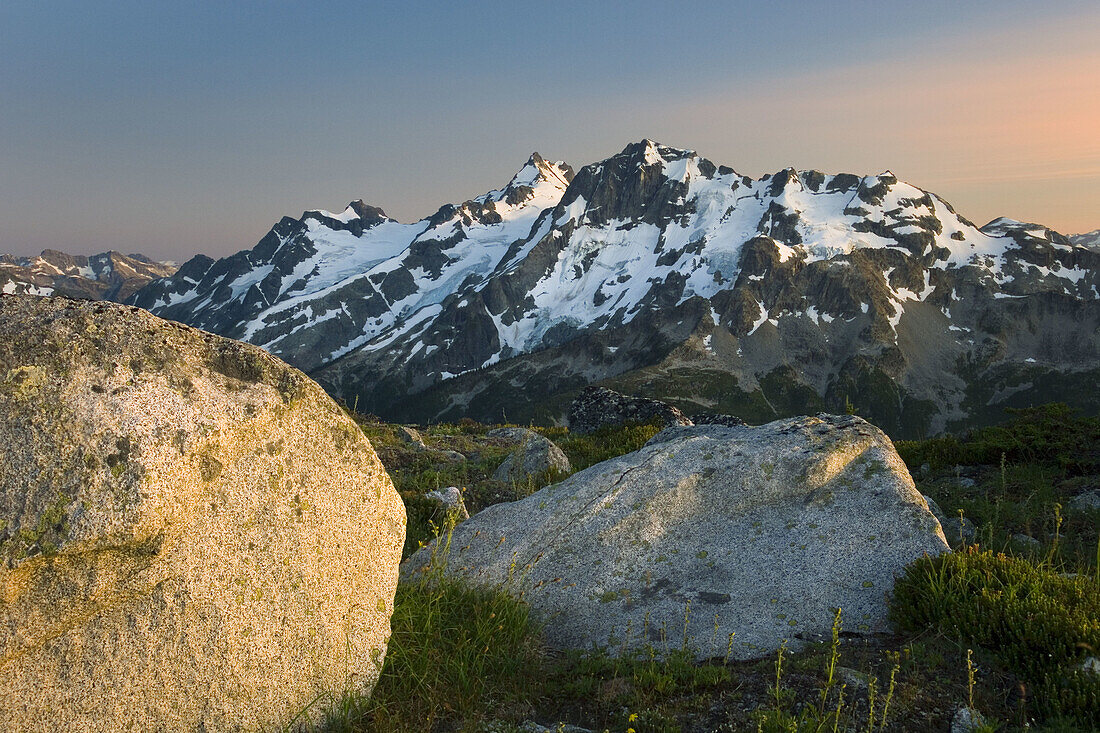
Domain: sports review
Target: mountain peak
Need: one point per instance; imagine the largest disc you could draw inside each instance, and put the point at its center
(366, 212)
(833, 282)
(537, 170)
(355, 211)
(649, 152)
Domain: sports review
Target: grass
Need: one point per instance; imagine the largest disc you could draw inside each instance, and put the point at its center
(1039, 623)
(607, 442)
(996, 628)
(457, 654)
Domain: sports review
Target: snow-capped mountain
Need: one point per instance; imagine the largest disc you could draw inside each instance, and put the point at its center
(105, 276)
(1088, 239)
(658, 272)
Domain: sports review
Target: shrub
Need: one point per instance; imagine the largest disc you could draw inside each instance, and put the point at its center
(1042, 625)
(1049, 435)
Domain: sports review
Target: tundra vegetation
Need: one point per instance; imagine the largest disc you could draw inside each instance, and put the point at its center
(1007, 626)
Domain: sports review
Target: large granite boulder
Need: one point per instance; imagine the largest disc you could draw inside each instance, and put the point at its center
(598, 407)
(709, 531)
(193, 536)
(532, 455)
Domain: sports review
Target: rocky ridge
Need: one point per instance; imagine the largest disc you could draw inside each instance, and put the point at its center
(660, 273)
(105, 276)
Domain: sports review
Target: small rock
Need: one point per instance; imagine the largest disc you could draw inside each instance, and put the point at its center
(1092, 664)
(964, 482)
(1089, 501)
(452, 456)
(533, 455)
(516, 436)
(451, 500)
(855, 680)
(966, 720)
(959, 532)
(925, 469)
(1026, 540)
(411, 436)
(934, 508)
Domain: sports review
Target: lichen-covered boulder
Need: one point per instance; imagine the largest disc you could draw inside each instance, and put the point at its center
(193, 536)
(708, 531)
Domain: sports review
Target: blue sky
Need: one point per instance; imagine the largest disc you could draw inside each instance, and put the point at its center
(178, 128)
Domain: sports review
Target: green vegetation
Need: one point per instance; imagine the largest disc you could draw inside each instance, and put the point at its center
(587, 450)
(830, 712)
(1003, 628)
(1050, 436)
(457, 653)
(1019, 482)
(1040, 624)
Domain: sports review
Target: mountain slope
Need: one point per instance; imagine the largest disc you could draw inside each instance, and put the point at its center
(105, 276)
(658, 271)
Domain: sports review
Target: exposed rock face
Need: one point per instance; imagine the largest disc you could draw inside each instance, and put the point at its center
(105, 276)
(657, 273)
(762, 530)
(598, 407)
(193, 536)
(533, 455)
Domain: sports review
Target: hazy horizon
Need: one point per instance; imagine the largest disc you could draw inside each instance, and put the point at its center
(173, 131)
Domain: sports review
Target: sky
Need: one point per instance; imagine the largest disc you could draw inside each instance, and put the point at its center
(173, 129)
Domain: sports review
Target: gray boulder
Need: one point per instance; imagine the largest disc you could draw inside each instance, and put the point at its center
(598, 407)
(710, 531)
(532, 455)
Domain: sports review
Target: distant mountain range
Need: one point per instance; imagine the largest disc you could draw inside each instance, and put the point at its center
(660, 273)
(107, 276)
(1089, 239)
